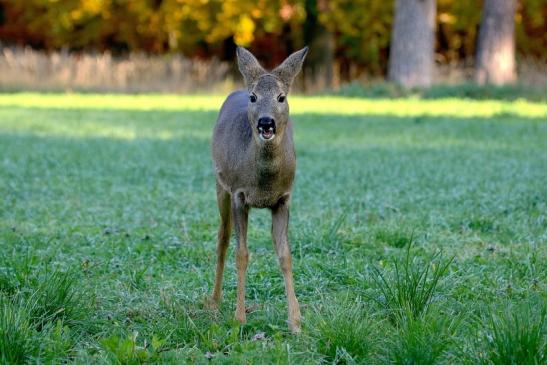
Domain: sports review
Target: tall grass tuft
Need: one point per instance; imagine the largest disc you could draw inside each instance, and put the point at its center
(40, 314)
(518, 335)
(57, 297)
(16, 332)
(27, 69)
(410, 290)
(420, 341)
(343, 332)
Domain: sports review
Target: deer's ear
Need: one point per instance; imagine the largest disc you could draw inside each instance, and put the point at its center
(248, 66)
(292, 65)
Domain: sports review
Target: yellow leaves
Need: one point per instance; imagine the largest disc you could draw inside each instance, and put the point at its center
(160, 26)
(447, 18)
(76, 15)
(361, 28)
(84, 9)
(244, 32)
(93, 6)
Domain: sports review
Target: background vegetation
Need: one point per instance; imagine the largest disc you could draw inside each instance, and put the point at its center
(360, 30)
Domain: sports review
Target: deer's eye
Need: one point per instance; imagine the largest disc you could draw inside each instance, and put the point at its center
(252, 98)
(281, 98)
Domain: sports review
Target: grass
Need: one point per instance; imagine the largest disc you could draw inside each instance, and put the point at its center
(30, 331)
(342, 331)
(409, 293)
(513, 335)
(423, 341)
(108, 224)
(16, 333)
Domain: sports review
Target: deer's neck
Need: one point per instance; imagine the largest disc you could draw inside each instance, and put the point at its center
(267, 155)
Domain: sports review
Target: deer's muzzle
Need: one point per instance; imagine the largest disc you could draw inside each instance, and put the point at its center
(266, 128)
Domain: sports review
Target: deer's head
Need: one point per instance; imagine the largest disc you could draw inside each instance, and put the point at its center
(268, 107)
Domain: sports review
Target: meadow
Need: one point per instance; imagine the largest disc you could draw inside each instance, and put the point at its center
(418, 232)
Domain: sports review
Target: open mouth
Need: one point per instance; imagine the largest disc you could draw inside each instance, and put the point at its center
(266, 134)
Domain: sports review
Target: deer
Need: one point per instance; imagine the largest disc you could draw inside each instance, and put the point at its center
(254, 163)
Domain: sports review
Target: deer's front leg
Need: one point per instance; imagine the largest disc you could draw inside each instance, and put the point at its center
(240, 211)
(280, 224)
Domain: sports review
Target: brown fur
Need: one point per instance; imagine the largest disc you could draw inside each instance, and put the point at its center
(256, 173)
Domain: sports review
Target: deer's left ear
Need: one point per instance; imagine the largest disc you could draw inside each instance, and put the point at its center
(292, 65)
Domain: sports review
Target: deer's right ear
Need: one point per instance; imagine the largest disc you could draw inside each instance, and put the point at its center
(292, 65)
(248, 66)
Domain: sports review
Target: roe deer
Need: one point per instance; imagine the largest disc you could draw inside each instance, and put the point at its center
(254, 162)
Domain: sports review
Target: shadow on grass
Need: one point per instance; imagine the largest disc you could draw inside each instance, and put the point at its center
(119, 168)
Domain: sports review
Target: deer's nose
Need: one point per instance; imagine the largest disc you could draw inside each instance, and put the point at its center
(266, 123)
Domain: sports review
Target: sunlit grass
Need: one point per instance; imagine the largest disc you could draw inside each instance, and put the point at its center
(322, 105)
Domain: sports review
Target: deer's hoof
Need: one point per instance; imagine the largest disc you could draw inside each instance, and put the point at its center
(241, 317)
(294, 326)
(211, 303)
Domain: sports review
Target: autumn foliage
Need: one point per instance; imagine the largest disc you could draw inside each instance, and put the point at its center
(206, 28)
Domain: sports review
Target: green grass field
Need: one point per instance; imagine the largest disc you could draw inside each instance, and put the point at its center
(418, 232)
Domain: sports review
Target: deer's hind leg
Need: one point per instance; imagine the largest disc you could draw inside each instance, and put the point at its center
(223, 239)
(240, 212)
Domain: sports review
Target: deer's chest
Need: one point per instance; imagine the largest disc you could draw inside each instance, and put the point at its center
(271, 182)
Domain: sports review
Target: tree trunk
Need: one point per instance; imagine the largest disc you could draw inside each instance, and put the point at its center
(411, 61)
(319, 73)
(495, 61)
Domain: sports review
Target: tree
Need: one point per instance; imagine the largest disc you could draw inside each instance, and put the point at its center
(361, 30)
(320, 61)
(495, 60)
(411, 61)
(349, 37)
